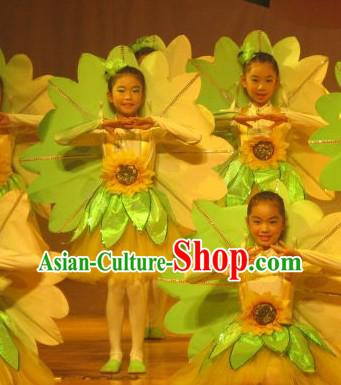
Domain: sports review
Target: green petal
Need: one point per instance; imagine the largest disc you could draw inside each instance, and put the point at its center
(258, 41)
(8, 351)
(313, 335)
(277, 341)
(232, 171)
(138, 208)
(220, 78)
(329, 176)
(264, 177)
(16, 182)
(82, 226)
(239, 188)
(97, 207)
(226, 339)
(165, 203)
(292, 181)
(4, 189)
(244, 349)
(213, 228)
(328, 106)
(299, 351)
(157, 225)
(114, 221)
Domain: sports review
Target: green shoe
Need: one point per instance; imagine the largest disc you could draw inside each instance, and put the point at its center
(112, 366)
(136, 366)
(156, 333)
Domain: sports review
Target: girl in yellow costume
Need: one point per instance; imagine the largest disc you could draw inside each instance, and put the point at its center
(274, 338)
(178, 52)
(127, 169)
(23, 102)
(119, 181)
(263, 98)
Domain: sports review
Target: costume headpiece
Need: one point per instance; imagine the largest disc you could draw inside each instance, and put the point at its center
(152, 41)
(113, 66)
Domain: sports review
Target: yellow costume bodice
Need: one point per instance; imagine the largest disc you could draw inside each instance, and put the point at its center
(268, 287)
(262, 127)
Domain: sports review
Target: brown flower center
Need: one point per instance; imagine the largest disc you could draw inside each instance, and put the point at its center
(127, 174)
(263, 150)
(264, 313)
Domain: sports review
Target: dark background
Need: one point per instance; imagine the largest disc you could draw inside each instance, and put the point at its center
(55, 32)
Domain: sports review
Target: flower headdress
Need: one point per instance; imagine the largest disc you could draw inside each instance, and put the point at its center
(113, 66)
(152, 41)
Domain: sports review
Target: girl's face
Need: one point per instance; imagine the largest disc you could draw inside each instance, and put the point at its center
(260, 83)
(127, 95)
(266, 223)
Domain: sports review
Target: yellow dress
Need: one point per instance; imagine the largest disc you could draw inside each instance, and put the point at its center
(266, 302)
(139, 148)
(17, 221)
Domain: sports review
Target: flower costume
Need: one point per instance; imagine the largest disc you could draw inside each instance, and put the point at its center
(24, 101)
(270, 328)
(264, 154)
(125, 187)
(28, 303)
(327, 140)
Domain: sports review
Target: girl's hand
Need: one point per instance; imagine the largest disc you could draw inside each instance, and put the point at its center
(128, 123)
(253, 252)
(111, 124)
(285, 251)
(142, 123)
(244, 119)
(276, 118)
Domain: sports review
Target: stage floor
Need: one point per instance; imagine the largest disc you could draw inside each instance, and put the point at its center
(86, 347)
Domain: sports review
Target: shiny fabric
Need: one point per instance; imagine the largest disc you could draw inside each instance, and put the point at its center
(240, 181)
(146, 210)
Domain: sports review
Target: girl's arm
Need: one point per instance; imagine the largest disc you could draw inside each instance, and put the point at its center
(304, 121)
(163, 128)
(20, 123)
(329, 263)
(86, 134)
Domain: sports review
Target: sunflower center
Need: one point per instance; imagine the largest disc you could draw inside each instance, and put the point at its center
(264, 313)
(263, 150)
(127, 174)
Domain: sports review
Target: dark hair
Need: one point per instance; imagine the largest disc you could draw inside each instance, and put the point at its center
(269, 196)
(144, 51)
(259, 57)
(127, 70)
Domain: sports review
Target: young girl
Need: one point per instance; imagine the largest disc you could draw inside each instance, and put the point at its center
(23, 102)
(267, 114)
(262, 131)
(116, 202)
(272, 339)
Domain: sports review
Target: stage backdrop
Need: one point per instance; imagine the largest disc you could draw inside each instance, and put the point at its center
(55, 32)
